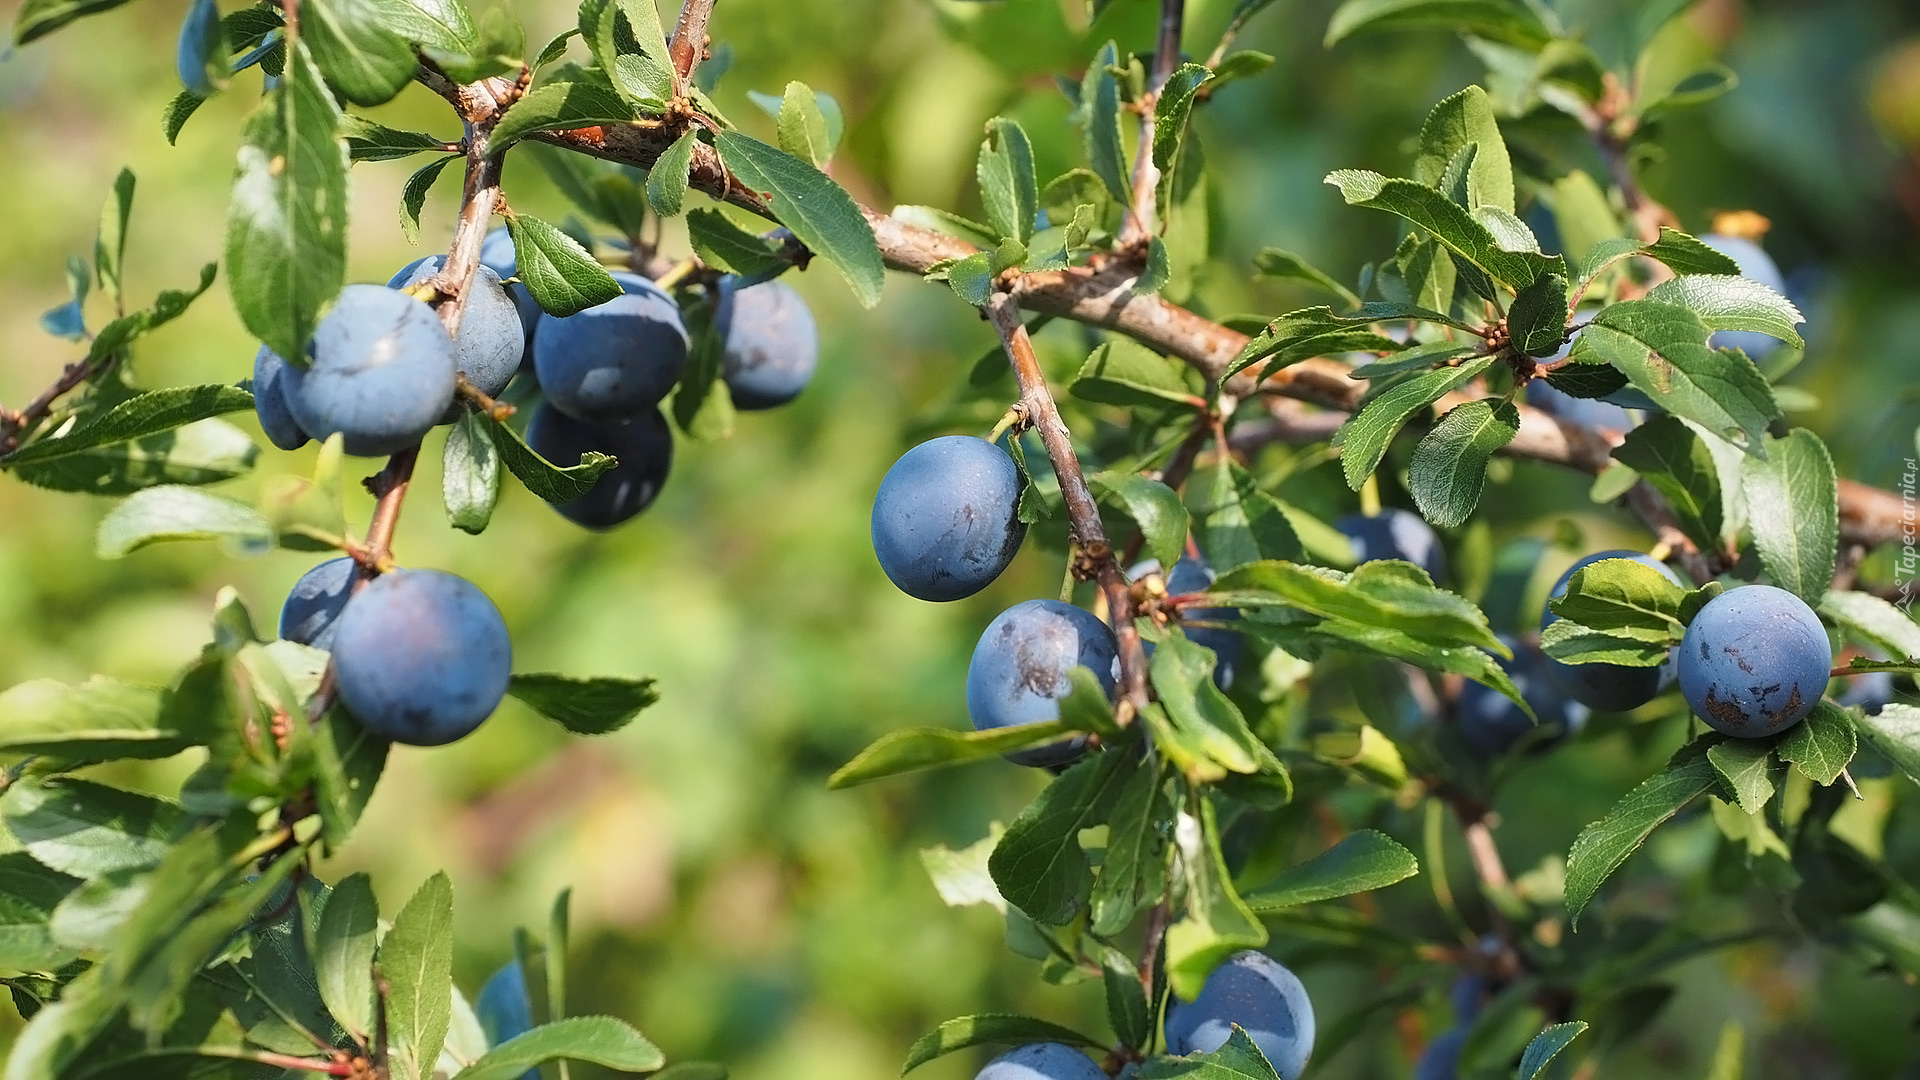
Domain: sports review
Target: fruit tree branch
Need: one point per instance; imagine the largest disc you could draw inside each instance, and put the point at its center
(1089, 535)
(689, 45)
(14, 424)
(1146, 175)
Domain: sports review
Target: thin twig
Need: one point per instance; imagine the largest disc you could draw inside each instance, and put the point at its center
(1157, 920)
(15, 424)
(689, 45)
(1140, 224)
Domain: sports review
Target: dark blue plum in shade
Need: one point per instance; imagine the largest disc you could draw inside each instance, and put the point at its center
(614, 361)
(1441, 1059)
(491, 340)
(772, 344)
(315, 603)
(1042, 1061)
(497, 255)
(1592, 412)
(1193, 575)
(1608, 687)
(1754, 661)
(421, 657)
(270, 401)
(1395, 534)
(946, 520)
(382, 372)
(1019, 670)
(1490, 722)
(643, 446)
(1259, 994)
(1755, 265)
(1870, 692)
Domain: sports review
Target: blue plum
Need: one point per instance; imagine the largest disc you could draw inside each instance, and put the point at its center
(313, 608)
(772, 344)
(1754, 661)
(1193, 575)
(270, 401)
(1395, 534)
(642, 445)
(1042, 1061)
(1258, 993)
(1870, 692)
(421, 657)
(616, 360)
(946, 519)
(1755, 265)
(497, 254)
(1019, 670)
(491, 340)
(1608, 687)
(382, 372)
(1491, 723)
(1441, 1059)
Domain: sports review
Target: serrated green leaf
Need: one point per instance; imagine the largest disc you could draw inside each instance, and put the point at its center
(1207, 735)
(803, 126)
(967, 1031)
(596, 1040)
(1362, 861)
(368, 141)
(1237, 522)
(347, 763)
(1317, 331)
(413, 197)
(172, 512)
(1602, 846)
(1450, 463)
(1504, 21)
(1388, 594)
(141, 415)
(912, 749)
(1216, 923)
(1459, 121)
(1154, 506)
(38, 18)
(362, 59)
(592, 706)
(1571, 643)
(1038, 864)
(1661, 348)
(549, 480)
(101, 718)
(86, 829)
(559, 105)
(1465, 234)
(563, 278)
(1743, 765)
(817, 211)
(1867, 616)
(1284, 265)
(343, 953)
(1239, 1059)
(721, 243)
(1677, 463)
(1008, 187)
(1172, 111)
(1623, 594)
(1123, 373)
(178, 111)
(1893, 732)
(1793, 509)
(439, 24)
(667, 180)
(470, 474)
(29, 895)
(416, 959)
(1822, 745)
(1546, 1046)
(203, 452)
(1730, 302)
(1537, 321)
(1363, 439)
(1133, 872)
(1100, 124)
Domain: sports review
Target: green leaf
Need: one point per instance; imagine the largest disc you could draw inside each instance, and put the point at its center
(1684, 254)
(1127, 1010)
(1239, 1059)
(171, 512)
(944, 221)
(178, 111)
(667, 180)
(343, 953)
(1466, 235)
(1284, 265)
(144, 414)
(814, 208)
(1239, 523)
(597, 1040)
(470, 474)
(551, 481)
(967, 1031)
(643, 74)
(1894, 733)
(803, 126)
(563, 278)
(1154, 506)
(413, 197)
(1602, 846)
(347, 763)
(1743, 764)
(1822, 745)
(38, 18)
(362, 59)
(1546, 1046)
(368, 141)
(496, 48)
(1217, 922)
(1614, 594)
(1360, 862)
(1133, 872)
(1450, 463)
(961, 877)
(1363, 439)
(1124, 373)
(1038, 864)
(1317, 331)
(29, 893)
(1571, 643)
(1793, 508)
(287, 218)
(595, 706)
(1100, 124)
(99, 719)
(86, 829)
(1537, 321)
(721, 243)
(559, 105)
(1008, 188)
(110, 241)
(1662, 350)
(1730, 302)
(416, 959)
(1387, 594)
(1867, 616)
(910, 749)
(1172, 109)
(1206, 736)
(1459, 121)
(1679, 465)
(971, 278)
(439, 24)
(1505, 21)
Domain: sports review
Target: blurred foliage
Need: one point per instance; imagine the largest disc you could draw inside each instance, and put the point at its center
(724, 899)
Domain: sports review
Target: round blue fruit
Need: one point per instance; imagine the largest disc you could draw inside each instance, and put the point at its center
(313, 607)
(1755, 265)
(1492, 724)
(1608, 687)
(772, 344)
(1042, 1061)
(1193, 575)
(1870, 692)
(1441, 1059)
(421, 657)
(1754, 661)
(1019, 670)
(1395, 534)
(270, 401)
(1258, 993)
(946, 520)
(497, 255)
(643, 446)
(491, 340)
(616, 360)
(382, 372)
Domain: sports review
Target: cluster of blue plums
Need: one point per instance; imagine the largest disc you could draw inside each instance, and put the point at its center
(1250, 990)
(381, 370)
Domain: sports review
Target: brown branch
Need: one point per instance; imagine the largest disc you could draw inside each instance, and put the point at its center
(689, 45)
(14, 424)
(1095, 559)
(1156, 933)
(1140, 224)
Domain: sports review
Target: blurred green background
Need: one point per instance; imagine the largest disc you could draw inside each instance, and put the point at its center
(724, 900)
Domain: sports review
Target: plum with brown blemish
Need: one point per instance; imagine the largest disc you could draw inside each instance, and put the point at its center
(1019, 671)
(1754, 661)
(946, 520)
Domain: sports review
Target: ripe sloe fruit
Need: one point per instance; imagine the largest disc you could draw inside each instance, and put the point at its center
(772, 344)
(491, 340)
(1491, 723)
(946, 520)
(1755, 265)
(1019, 670)
(313, 607)
(497, 255)
(1041, 1061)
(1193, 575)
(382, 372)
(1258, 993)
(642, 445)
(1754, 661)
(421, 657)
(1395, 534)
(1608, 687)
(615, 360)
(270, 401)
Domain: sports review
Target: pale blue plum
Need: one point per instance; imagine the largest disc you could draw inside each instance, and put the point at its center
(497, 255)
(1755, 265)
(946, 519)
(505, 1009)
(421, 657)
(314, 606)
(1042, 1061)
(1019, 670)
(772, 344)
(1259, 994)
(1754, 661)
(1593, 412)
(616, 360)
(382, 372)
(1395, 534)
(1608, 687)
(491, 340)
(270, 402)
(643, 446)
